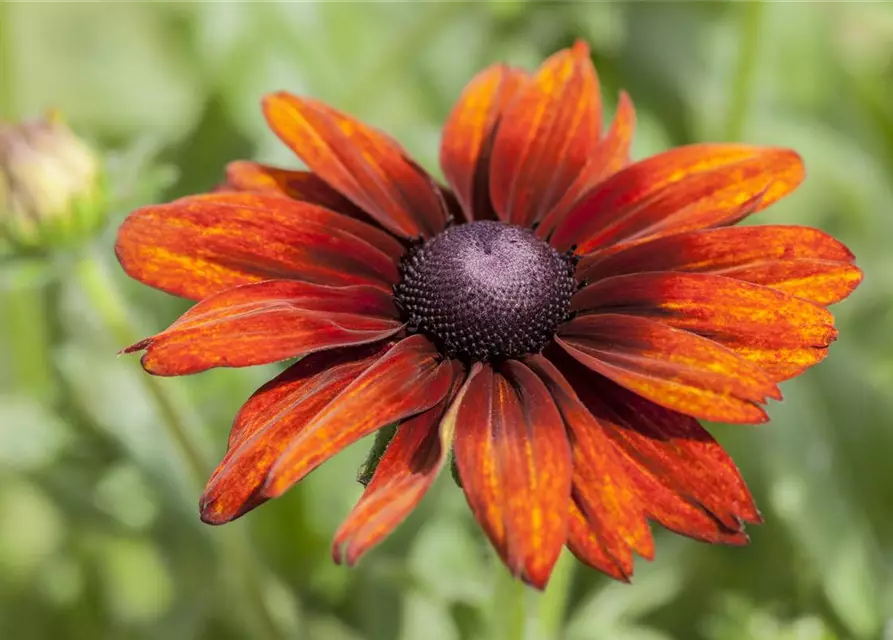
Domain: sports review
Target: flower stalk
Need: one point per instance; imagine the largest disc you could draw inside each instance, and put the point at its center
(109, 303)
(553, 603)
(509, 608)
(745, 69)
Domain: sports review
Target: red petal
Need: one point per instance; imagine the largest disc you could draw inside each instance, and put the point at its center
(366, 166)
(244, 175)
(801, 261)
(406, 470)
(688, 483)
(267, 322)
(610, 155)
(404, 474)
(613, 514)
(515, 463)
(676, 369)
(545, 137)
(305, 186)
(467, 140)
(201, 245)
(269, 420)
(409, 379)
(782, 334)
(589, 547)
(686, 188)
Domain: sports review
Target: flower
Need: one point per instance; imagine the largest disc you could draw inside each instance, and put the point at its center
(557, 318)
(50, 184)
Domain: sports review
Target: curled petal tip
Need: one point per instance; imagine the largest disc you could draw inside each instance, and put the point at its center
(273, 96)
(537, 582)
(210, 514)
(581, 48)
(345, 553)
(136, 346)
(337, 552)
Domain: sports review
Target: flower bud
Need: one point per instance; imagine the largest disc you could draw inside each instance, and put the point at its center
(51, 188)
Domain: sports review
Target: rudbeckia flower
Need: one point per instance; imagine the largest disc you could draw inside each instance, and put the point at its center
(557, 318)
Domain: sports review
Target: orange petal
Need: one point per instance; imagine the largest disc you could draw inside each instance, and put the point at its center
(679, 509)
(667, 445)
(545, 137)
(244, 175)
(515, 464)
(683, 478)
(610, 516)
(801, 261)
(267, 322)
(601, 487)
(407, 380)
(202, 245)
(363, 164)
(266, 424)
(467, 139)
(782, 334)
(404, 474)
(677, 457)
(687, 188)
(673, 451)
(676, 369)
(610, 155)
(590, 548)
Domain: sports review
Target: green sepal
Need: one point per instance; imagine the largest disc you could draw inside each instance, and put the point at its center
(454, 470)
(383, 438)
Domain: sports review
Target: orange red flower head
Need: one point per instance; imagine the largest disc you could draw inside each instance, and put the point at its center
(557, 318)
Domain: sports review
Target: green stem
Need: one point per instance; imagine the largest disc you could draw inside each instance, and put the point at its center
(509, 606)
(7, 79)
(743, 77)
(111, 307)
(24, 323)
(553, 605)
(235, 546)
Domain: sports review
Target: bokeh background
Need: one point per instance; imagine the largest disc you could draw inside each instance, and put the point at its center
(101, 466)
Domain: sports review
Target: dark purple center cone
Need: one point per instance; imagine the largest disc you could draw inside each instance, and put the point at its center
(486, 291)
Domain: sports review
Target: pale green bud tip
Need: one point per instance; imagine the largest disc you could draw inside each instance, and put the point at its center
(51, 190)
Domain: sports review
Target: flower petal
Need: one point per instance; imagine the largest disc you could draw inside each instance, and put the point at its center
(585, 540)
(686, 188)
(363, 164)
(467, 140)
(683, 478)
(201, 245)
(601, 489)
(407, 380)
(545, 137)
(514, 460)
(244, 175)
(782, 334)
(404, 474)
(800, 261)
(677, 369)
(269, 420)
(610, 155)
(674, 450)
(267, 322)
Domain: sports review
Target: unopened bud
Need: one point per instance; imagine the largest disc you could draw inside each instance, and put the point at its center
(51, 190)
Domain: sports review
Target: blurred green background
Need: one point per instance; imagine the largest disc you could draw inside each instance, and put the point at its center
(99, 531)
